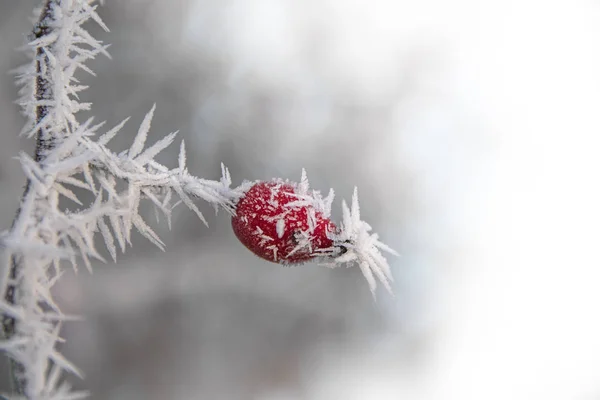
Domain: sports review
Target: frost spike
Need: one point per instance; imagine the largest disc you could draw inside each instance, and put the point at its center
(69, 180)
(140, 138)
(189, 203)
(366, 270)
(104, 139)
(225, 176)
(67, 193)
(328, 201)
(303, 186)
(87, 175)
(145, 230)
(181, 159)
(53, 376)
(66, 365)
(157, 204)
(156, 148)
(134, 199)
(109, 240)
(355, 212)
(95, 17)
(116, 224)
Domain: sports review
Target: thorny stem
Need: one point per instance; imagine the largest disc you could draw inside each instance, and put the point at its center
(43, 90)
(44, 142)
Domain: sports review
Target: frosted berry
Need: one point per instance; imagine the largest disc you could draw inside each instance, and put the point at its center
(280, 222)
(284, 222)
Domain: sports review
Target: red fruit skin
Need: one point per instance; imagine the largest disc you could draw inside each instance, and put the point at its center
(257, 215)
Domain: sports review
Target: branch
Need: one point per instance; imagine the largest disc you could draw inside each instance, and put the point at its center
(44, 234)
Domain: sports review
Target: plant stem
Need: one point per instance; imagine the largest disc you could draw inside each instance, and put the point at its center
(44, 142)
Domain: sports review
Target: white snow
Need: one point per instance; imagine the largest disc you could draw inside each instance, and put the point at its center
(280, 227)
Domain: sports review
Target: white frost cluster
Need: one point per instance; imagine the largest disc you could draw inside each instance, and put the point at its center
(362, 247)
(70, 157)
(353, 244)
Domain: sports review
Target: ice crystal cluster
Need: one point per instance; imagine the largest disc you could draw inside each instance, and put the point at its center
(54, 229)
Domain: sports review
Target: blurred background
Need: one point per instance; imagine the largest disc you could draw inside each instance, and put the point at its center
(471, 130)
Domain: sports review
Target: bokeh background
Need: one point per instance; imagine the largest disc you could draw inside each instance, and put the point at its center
(471, 129)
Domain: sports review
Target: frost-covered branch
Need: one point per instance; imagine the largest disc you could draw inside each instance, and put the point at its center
(69, 158)
(280, 221)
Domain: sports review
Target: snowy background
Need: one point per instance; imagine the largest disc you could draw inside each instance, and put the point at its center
(471, 129)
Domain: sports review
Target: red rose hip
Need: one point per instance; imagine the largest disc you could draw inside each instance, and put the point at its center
(280, 222)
